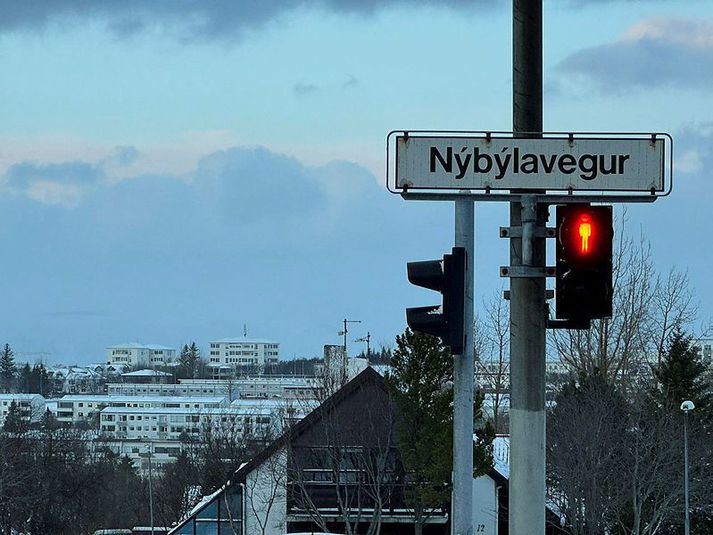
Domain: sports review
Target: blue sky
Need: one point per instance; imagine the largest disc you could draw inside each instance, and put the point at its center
(170, 171)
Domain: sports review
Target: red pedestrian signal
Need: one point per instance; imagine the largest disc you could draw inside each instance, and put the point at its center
(584, 262)
(585, 233)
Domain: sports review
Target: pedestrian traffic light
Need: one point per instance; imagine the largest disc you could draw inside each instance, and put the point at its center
(448, 277)
(584, 262)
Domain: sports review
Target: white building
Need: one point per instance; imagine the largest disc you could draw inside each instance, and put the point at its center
(133, 354)
(268, 387)
(170, 423)
(31, 406)
(704, 348)
(76, 379)
(79, 408)
(194, 388)
(261, 387)
(134, 431)
(248, 353)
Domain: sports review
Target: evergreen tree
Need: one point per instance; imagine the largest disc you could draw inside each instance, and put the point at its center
(14, 422)
(189, 360)
(421, 379)
(48, 422)
(24, 380)
(682, 375)
(7, 368)
(39, 380)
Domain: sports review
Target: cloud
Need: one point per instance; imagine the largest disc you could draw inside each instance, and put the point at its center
(63, 184)
(188, 20)
(122, 156)
(248, 186)
(303, 90)
(350, 82)
(653, 53)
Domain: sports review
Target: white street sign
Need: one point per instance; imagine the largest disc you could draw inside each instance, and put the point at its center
(549, 163)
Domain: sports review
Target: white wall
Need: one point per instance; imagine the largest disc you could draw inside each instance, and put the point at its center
(266, 497)
(485, 506)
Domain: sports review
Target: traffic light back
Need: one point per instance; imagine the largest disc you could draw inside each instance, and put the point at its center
(448, 277)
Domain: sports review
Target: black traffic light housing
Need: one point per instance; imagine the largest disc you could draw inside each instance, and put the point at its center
(584, 262)
(448, 277)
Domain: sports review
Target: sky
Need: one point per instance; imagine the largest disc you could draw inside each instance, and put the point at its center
(176, 170)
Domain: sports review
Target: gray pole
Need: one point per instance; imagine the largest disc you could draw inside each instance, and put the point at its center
(462, 507)
(685, 471)
(527, 294)
(151, 492)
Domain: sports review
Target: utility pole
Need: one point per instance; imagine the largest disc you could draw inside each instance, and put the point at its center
(345, 331)
(527, 292)
(150, 490)
(463, 375)
(366, 339)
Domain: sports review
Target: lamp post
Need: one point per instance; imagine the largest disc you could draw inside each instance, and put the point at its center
(686, 407)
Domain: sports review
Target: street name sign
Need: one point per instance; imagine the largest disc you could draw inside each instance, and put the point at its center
(556, 162)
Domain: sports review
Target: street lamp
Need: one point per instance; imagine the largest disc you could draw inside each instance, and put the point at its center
(686, 407)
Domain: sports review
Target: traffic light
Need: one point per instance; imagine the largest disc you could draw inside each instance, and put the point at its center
(584, 262)
(448, 277)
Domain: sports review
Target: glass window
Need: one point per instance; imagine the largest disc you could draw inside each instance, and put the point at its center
(186, 530)
(211, 511)
(226, 528)
(206, 528)
(231, 504)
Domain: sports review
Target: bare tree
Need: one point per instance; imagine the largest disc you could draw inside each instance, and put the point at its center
(17, 476)
(647, 308)
(493, 357)
(346, 466)
(674, 307)
(585, 434)
(650, 469)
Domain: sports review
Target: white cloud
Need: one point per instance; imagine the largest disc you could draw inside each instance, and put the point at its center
(675, 30)
(53, 193)
(689, 162)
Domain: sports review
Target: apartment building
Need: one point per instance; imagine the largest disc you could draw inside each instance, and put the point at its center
(194, 388)
(31, 407)
(246, 353)
(172, 423)
(261, 387)
(74, 409)
(134, 354)
(136, 431)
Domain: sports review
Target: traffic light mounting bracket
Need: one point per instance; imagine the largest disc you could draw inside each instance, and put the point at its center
(572, 324)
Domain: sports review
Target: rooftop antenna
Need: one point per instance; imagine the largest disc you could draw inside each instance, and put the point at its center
(245, 330)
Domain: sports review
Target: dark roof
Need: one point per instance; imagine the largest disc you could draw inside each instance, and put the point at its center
(366, 377)
(329, 404)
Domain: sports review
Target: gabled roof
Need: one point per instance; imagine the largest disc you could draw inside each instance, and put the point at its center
(366, 377)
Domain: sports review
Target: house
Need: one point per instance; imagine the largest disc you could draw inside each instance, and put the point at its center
(30, 407)
(339, 464)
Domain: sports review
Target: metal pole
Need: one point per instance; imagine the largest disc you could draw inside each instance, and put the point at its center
(462, 507)
(685, 471)
(151, 492)
(527, 294)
